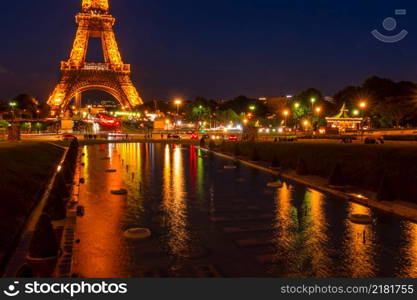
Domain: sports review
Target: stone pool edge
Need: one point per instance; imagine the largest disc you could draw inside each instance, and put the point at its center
(397, 208)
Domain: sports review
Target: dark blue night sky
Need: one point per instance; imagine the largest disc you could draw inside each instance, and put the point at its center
(215, 48)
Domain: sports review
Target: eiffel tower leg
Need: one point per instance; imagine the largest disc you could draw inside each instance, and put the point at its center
(130, 91)
(57, 98)
(78, 101)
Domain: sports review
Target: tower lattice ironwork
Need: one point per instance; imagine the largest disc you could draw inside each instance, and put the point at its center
(112, 75)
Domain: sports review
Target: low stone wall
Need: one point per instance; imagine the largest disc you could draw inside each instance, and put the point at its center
(53, 205)
(389, 169)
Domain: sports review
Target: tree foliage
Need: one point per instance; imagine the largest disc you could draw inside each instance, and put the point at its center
(389, 103)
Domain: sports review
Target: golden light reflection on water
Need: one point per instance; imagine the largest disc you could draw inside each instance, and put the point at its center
(174, 202)
(85, 161)
(313, 238)
(359, 246)
(286, 219)
(409, 252)
(99, 233)
(302, 235)
(316, 247)
(286, 230)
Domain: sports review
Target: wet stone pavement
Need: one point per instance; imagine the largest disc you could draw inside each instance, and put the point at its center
(210, 221)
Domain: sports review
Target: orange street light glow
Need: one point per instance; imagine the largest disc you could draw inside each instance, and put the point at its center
(363, 104)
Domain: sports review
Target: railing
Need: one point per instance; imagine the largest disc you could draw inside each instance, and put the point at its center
(101, 67)
(96, 67)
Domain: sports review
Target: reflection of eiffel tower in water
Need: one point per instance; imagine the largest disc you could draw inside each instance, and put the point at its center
(111, 76)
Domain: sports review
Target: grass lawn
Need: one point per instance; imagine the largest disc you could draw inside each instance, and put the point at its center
(25, 170)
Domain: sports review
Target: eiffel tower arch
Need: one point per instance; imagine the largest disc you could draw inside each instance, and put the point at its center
(112, 76)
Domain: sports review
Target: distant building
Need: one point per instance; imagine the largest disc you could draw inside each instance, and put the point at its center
(276, 99)
(343, 122)
(276, 103)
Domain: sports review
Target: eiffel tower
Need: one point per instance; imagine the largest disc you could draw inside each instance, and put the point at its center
(111, 76)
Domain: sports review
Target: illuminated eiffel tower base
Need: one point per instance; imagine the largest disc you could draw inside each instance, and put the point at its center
(111, 76)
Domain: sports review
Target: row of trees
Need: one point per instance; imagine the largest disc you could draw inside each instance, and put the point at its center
(389, 104)
(24, 106)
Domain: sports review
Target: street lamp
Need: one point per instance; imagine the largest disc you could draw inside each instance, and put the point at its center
(363, 105)
(306, 124)
(318, 110)
(13, 105)
(313, 101)
(252, 107)
(286, 113)
(178, 102)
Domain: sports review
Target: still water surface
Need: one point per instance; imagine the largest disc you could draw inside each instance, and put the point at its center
(208, 221)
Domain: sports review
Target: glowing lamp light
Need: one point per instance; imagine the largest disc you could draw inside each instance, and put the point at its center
(318, 110)
(356, 112)
(363, 105)
(286, 113)
(297, 105)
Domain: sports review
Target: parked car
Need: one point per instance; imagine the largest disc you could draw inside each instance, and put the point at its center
(174, 137)
(374, 140)
(194, 136)
(233, 138)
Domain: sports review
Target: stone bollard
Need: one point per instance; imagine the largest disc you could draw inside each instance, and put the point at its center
(302, 168)
(337, 178)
